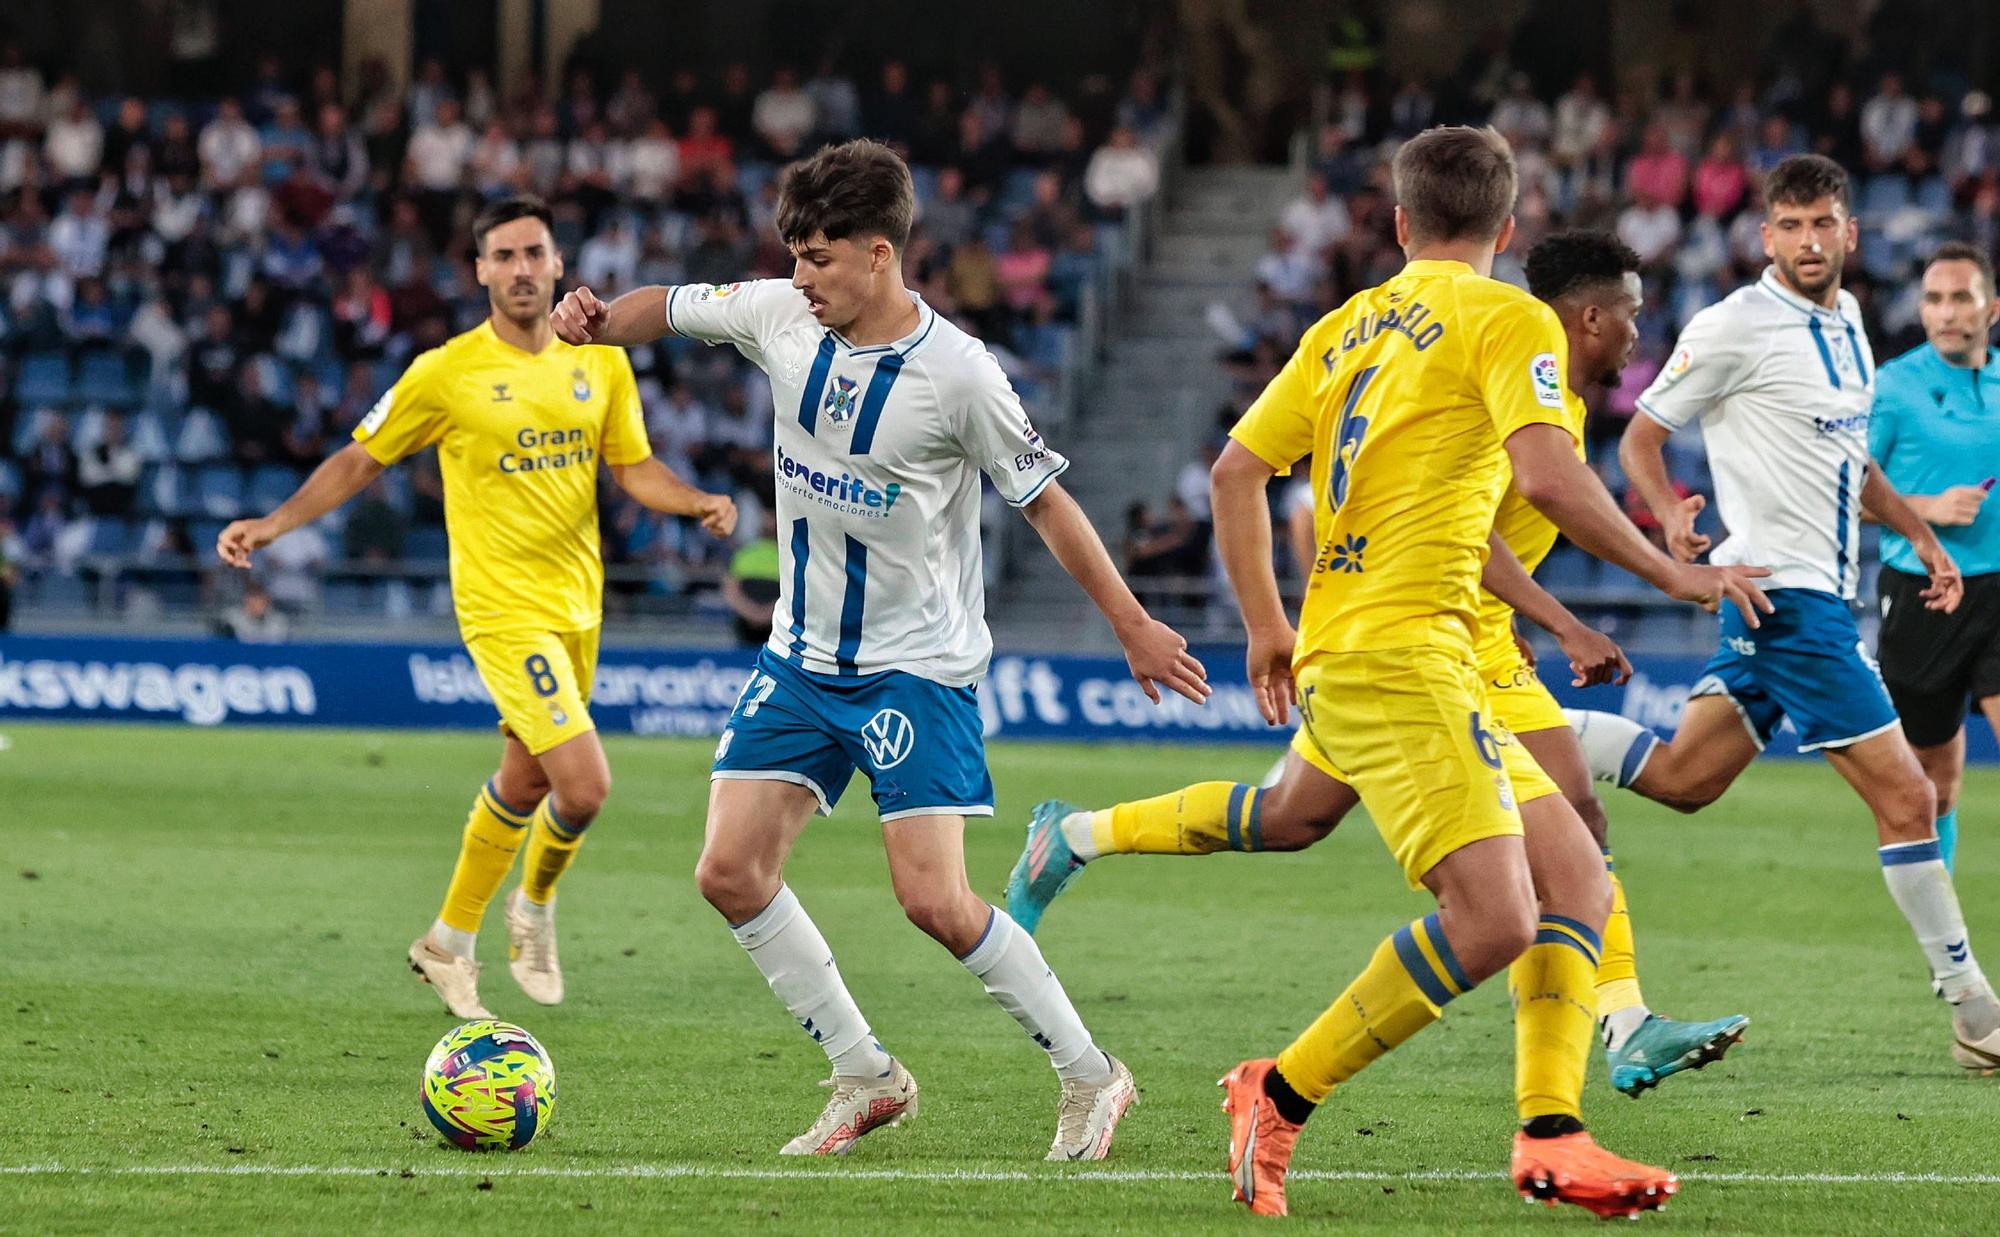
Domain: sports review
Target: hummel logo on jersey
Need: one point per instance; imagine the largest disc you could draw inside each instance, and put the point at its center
(889, 738)
(1958, 952)
(500, 395)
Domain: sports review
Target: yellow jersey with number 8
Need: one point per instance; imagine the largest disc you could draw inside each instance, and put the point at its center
(1403, 397)
(519, 437)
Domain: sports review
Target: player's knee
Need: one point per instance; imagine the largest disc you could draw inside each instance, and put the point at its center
(1284, 826)
(954, 918)
(1489, 937)
(736, 888)
(1908, 811)
(520, 792)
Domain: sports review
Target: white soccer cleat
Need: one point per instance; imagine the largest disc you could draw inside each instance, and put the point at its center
(455, 979)
(1090, 1112)
(857, 1106)
(1977, 1057)
(531, 951)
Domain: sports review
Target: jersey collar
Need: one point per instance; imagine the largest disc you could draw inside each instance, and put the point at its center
(920, 334)
(1769, 282)
(1435, 266)
(1987, 368)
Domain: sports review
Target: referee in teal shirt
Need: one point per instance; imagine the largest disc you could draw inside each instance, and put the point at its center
(1935, 432)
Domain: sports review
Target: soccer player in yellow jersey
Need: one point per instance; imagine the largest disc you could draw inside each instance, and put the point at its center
(1591, 280)
(1416, 399)
(521, 421)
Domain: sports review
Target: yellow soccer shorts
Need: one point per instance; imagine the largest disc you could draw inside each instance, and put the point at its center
(540, 682)
(1410, 730)
(1515, 694)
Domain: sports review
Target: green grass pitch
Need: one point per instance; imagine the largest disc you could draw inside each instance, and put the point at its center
(209, 1025)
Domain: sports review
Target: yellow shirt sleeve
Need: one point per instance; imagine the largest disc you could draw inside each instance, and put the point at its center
(1522, 374)
(410, 416)
(624, 440)
(1278, 428)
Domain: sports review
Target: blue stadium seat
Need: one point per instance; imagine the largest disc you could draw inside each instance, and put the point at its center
(10, 478)
(61, 591)
(109, 538)
(1567, 569)
(1934, 196)
(1619, 581)
(202, 535)
(105, 378)
(149, 432)
(270, 485)
(219, 491)
(427, 544)
(44, 379)
(1882, 194)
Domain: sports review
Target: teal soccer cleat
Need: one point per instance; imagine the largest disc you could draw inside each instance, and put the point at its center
(1046, 867)
(1662, 1046)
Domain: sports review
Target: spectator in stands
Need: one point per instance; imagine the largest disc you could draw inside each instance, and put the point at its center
(1290, 269)
(1038, 123)
(935, 139)
(254, 620)
(335, 154)
(948, 217)
(1581, 120)
(295, 562)
(230, 150)
(285, 140)
(48, 468)
(1720, 180)
(20, 94)
(678, 427)
(1651, 227)
(44, 540)
(1972, 147)
(256, 423)
(893, 110)
(1658, 173)
(973, 281)
(836, 103)
(783, 116)
(1888, 124)
(750, 586)
(375, 528)
(610, 258)
(12, 555)
(107, 471)
(439, 154)
(1520, 116)
(655, 162)
(73, 145)
(305, 438)
(1122, 174)
(79, 236)
(1143, 111)
(129, 132)
(1316, 219)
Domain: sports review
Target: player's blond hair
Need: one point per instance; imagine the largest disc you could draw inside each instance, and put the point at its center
(1456, 182)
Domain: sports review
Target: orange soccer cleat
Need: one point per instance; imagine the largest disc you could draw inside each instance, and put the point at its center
(1260, 1141)
(1572, 1168)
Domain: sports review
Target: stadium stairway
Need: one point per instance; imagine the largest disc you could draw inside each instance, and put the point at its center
(1147, 409)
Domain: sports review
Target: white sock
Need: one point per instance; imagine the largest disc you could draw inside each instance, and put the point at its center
(453, 941)
(1010, 966)
(1076, 831)
(796, 962)
(539, 911)
(1616, 748)
(1923, 892)
(1617, 1027)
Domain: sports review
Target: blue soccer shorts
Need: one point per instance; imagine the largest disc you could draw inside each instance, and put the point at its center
(921, 744)
(1805, 662)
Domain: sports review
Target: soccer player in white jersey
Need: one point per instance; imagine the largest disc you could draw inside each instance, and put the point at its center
(887, 414)
(1780, 378)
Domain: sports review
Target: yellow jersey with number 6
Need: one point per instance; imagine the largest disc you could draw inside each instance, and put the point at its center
(519, 437)
(1403, 397)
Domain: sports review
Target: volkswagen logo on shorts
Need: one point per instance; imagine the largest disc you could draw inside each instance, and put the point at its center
(888, 736)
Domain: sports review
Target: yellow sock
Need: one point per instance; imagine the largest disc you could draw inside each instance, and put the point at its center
(1553, 989)
(1618, 974)
(1197, 820)
(1412, 976)
(493, 833)
(550, 849)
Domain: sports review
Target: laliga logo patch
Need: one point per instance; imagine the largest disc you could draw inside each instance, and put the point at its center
(840, 401)
(889, 738)
(1677, 368)
(378, 414)
(1546, 376)
(579, 385)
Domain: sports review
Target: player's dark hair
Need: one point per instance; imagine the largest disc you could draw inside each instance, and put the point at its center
(1965, 251)
(1576, 261)
(507, 210)
(858, 188)
(1803, 179)
(1455, 182)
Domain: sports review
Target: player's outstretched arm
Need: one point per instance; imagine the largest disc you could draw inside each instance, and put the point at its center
(344, 474)
(656, 486)
(1562, 487)
(1156, 652)
(1642, 454)
(1237, 497)
(638, 317)
(1593, 656)
(1880, 499)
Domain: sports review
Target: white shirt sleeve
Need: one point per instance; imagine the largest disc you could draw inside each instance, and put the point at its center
(1711, 356)
(747, 315)
(998, 436)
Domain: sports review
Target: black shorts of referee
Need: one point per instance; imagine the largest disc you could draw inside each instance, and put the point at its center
(1938, 666)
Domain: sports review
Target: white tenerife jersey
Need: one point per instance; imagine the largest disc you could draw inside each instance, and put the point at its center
(878, 452)
(1782, 389)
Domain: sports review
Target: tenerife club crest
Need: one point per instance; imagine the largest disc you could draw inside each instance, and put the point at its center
(841, 400)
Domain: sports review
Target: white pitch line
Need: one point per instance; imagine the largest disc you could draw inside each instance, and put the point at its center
(674, 1171)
